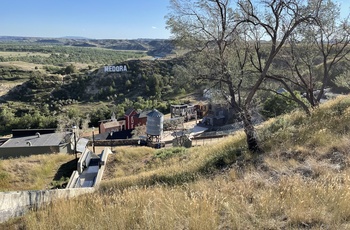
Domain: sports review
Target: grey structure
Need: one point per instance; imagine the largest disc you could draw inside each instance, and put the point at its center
(37, 144)
(154, 125)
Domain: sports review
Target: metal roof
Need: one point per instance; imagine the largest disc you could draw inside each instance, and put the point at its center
(155, 113)
(50, 139)
(81, 144)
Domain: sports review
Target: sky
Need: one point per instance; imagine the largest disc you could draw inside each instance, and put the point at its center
(96, 19)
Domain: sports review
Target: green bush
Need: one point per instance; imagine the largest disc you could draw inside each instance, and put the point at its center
(279, 104)
(168, 153)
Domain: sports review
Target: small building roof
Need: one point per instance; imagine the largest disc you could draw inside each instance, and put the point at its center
(49, 139)
(182, 106)
(155, 113)
(81, 144)
(129, 111)
(30, 132)
(143, 114)
(112, 124)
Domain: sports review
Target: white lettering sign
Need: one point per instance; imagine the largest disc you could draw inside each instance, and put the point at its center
(117, 68)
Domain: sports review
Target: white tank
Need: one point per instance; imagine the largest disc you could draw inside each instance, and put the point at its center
(154, 125)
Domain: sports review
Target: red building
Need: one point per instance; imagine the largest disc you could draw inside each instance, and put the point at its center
(133, 118)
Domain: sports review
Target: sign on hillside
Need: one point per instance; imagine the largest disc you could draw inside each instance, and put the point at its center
(116, 68)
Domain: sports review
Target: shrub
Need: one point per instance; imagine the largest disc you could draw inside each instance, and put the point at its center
(168, 153)
(279, 104)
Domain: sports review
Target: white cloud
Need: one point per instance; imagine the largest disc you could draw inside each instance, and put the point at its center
(153, 27)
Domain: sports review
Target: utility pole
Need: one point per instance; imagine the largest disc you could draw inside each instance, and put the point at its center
(111, 140)
(93, 139)
(75, 141)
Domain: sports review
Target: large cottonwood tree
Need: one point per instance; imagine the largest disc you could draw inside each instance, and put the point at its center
(226, 44)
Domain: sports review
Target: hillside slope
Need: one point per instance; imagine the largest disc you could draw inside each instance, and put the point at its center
(301, 182)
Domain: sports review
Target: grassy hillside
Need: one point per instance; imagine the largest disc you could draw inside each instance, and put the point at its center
(36, 172)
(300, 182)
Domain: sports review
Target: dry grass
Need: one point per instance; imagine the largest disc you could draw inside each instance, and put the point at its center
(30, 173)
(21, 54)
(223, 202)
(301, 182)
(26, 66)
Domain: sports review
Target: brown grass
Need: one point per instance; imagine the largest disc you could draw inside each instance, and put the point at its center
(30, 173)
(21, 65)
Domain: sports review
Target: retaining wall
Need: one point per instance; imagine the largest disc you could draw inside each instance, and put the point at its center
(115, 142)
(13, 204)
(104, 157)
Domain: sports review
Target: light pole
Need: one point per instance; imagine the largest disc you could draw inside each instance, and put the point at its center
(75, 141)
(111, 140)
(93, 139)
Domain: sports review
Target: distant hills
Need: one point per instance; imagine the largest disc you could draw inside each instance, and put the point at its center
(154, 47)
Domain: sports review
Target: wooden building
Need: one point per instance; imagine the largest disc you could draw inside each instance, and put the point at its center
(185, 110)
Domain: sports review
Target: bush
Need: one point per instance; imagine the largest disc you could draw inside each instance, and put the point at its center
(279, 104)
(168, 153)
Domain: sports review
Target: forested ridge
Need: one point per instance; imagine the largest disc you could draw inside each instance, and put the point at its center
(62, 80)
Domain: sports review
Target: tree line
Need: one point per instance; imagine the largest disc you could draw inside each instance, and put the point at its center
(60, 54)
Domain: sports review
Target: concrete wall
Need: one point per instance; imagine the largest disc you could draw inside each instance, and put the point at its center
(104, 157)
(73, 179)
(13, 204)
(115, 142)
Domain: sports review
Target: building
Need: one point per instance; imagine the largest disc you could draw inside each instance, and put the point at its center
(202, 109)
(36, 141)
(121, 128)
(134, 118)
(186, 111)
(217, 115)
(112, 125)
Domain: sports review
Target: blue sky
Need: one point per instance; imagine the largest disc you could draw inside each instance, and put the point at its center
(117, 19)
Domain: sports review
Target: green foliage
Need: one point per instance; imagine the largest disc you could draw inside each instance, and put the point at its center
(147, 85)
(323, 128)
(60, 54)
(171, 152)
(70, 69)
(14, 118)
(279, 104)
(61, 183)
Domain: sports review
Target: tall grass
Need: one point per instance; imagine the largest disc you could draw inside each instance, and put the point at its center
(30, 173)
(224, 202)
(326, 126)
(182, 167)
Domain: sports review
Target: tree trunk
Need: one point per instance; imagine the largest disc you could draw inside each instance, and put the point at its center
(252, 139)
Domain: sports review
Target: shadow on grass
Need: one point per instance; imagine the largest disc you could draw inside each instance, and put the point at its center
(63, 174)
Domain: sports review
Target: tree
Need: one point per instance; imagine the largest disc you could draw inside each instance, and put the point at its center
(316, 50)
(70, 69)
(226, 46)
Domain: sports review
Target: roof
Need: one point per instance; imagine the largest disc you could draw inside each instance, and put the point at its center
(49, 139)
(30, 132)
(112, 124)
(143, 114)
(129, 111)
(123, 134)
(81, 144)
(155, 113)
(182, 106)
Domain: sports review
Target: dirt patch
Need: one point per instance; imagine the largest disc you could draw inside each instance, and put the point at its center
(6, 87)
